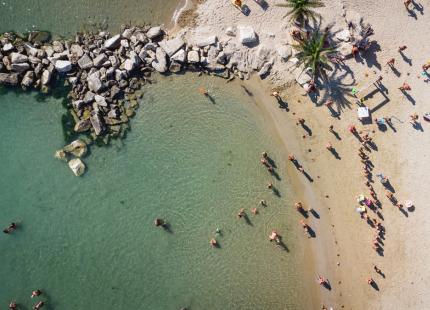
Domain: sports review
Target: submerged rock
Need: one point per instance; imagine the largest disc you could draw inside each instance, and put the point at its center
(77, 166)
(82, 125)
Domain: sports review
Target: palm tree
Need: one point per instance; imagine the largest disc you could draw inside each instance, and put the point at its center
(313, 52)
(301, 10)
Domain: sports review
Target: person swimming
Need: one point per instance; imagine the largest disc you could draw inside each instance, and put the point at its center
(39, 305)
(10, 228)
(36, 293)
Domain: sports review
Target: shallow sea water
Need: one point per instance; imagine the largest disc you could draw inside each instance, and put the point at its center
(90, 243)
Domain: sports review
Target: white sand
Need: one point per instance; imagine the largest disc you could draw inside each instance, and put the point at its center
(402, 155)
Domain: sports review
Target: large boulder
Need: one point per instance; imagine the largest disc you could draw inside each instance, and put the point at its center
(63, 66)
(20, 67)
(203, 41)
(246, 35)
(180, 56)
(154, 32)
(9, 79)
(76, 50)
(97, 123)
(193, 57)
(77, 148)
(172, 46)
(160, 64)
(77, 166)
(46, 77)
(82, 125)
(94, 82)
(16, 58)
(85, 62)
(113, 42)
(28, 79)
(100, 60)
(132, 62)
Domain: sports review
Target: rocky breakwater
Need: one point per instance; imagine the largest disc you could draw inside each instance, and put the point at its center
(106, 71)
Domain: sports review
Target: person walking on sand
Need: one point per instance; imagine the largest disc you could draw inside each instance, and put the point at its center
(329, 146)
(414, 118)
(291, 157)
(276, 95)
(391, 62)
(405, 87)
(402, 48)
(270, 185)
(263, 203)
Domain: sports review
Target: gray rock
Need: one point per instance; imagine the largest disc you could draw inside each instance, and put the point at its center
(127, 33)
(246, 35)
(77, 166)
(222, 58)
(57, 46)
(85, 62)
(113, 42)
(180, 56)
(175, 67)
(9, 79)
(154, 32)
(76, 50)
(28, 79)
(213, 53)
(100, 100)
(131, 63)
(124, 43)
(215, 67)
(205, 41)
(114, 61)
(89, 97)
(284, 51)
(100, 60)
(31, 51)
(114, 113)
(16, 58)
(7, 47)
(160, 64)
(78, 104)
(115, 92)
(77, 148)
(94, 82)
(150, 46)
(97, 123)
(230, 32)
(171, 46)
(82, 125)
(265, 69)
(193, 57)
(120, 74)
(20, 67)
(34, 60)
(46, 77)
(63, 66)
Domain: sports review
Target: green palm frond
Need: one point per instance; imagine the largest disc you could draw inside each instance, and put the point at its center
(313, 53)
(302, 9)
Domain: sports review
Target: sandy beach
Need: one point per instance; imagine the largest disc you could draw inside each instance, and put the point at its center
(342, 251)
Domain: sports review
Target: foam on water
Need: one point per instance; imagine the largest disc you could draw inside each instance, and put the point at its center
(90, 242)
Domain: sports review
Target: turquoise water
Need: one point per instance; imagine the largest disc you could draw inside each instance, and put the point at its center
(65, 17)
(90, 242)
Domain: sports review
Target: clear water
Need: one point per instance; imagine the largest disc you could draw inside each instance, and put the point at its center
(90, 242)
(65, 17)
